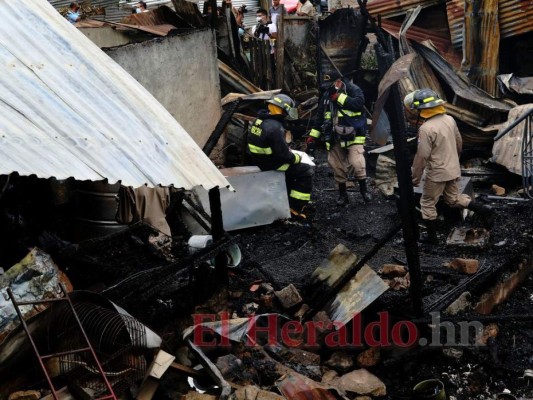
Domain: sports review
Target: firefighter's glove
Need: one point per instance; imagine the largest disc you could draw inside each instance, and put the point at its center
(311, 145)
(334, 96)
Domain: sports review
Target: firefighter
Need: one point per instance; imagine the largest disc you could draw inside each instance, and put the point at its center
(342, 125)
(438, 151)
(269, 151)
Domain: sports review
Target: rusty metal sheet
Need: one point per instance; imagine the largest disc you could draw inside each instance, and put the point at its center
(187, 18)
(442, 43)
(515, 18)
(507, 151)
(68, 110)
(388, 8)
(482, 44)
(341, 35)
(515, 84)
(460, 87)
(357, 294)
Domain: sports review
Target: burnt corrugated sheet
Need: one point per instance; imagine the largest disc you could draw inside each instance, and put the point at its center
(507, 151)
(515, 18)
(482, 44)
(442, 43)
(460, 87)
(68, 110)
(388, 8)
(342, 36)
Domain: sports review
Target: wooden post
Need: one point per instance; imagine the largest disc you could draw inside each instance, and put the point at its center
(280, 49)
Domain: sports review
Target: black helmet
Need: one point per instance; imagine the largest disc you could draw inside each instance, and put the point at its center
(282, 101)
(426, 98)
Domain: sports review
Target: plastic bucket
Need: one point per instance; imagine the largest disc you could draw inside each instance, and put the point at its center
(430, 389)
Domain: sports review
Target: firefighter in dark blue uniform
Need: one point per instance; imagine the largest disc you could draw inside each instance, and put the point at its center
(269, 151)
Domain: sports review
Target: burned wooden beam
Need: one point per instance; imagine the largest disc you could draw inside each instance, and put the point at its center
(219, 128)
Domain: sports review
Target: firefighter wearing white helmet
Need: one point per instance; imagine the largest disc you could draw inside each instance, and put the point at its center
(439, 148)
(269, 151)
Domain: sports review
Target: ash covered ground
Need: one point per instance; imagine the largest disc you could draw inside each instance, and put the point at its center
(285, 253)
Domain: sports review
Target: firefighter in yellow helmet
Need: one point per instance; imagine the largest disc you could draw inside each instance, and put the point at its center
(438, 151)
(269, 151)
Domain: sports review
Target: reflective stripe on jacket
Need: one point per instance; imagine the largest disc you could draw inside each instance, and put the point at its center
(267, 146)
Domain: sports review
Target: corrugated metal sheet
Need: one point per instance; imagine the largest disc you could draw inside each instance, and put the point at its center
(481, 49)
(68, 110)
(515, 18)
(341, 35)
(460, 87)
(442, 43)
(388, 8)
(507, 151)
(251, 7)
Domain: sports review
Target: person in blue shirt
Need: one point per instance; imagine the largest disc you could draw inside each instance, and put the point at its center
(73, 14)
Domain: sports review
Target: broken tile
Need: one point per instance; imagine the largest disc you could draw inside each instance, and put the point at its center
(393, 270)
(25, 395)
(288, 296)
(361, 381)
(460, 304)
(468, 237)
(497, 190)
(465, 265)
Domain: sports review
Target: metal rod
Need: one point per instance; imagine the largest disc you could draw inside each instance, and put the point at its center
(98, 365)
(513, 124)
(65, 353)
(33, 345)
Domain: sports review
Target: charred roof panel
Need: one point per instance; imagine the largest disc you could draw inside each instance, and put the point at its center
(68, 110)
(342, 37)
(515, 18)
(388, 8)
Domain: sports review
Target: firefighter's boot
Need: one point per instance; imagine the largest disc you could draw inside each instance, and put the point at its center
(367, 197)
(486, 213)
(343, 195)
(431, 236)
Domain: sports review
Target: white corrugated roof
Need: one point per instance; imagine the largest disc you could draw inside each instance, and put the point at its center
(68, 110)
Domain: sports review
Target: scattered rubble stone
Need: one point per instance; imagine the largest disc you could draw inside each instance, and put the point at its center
(289, 296)
(460, 304)
(340, 361)
(254, 393)
(266, 301)
(393, 270)
(369, 357)
(293, 355)
(465, 265)
(329, 376)
(267, 288)
(497, 190)
(361, 381)
(452, 353)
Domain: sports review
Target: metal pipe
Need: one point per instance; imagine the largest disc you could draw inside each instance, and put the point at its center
(217, 231)
(515, 123)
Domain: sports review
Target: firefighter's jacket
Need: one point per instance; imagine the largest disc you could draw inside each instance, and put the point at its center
(266, 143)
(346, 111)
(439, 147)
